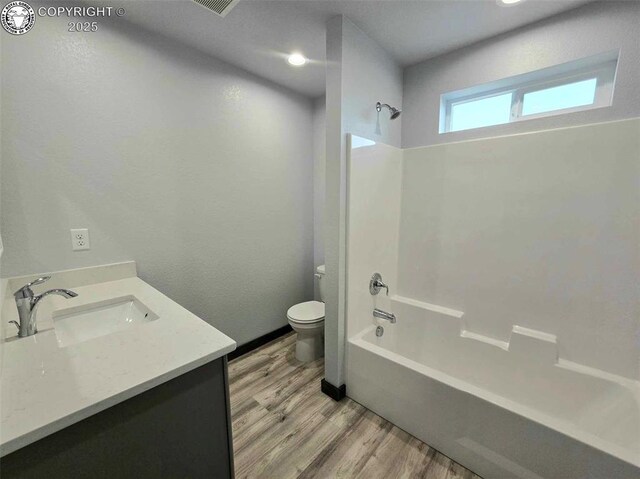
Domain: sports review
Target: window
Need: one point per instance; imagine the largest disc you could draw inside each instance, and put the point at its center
(491, 110)
(575, 86)
(561, 97)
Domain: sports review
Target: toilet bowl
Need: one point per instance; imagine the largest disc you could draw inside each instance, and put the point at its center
(307, 319)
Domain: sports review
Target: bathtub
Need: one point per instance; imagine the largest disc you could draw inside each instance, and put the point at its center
(502, 409)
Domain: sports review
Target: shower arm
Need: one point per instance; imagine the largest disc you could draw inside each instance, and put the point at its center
(394, 112)
(380, 105)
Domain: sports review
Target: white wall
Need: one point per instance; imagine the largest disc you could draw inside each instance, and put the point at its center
(335, 198)
(199, 171)
(373, 219)
(319, 184)
(359, 73)
(538, 230)
(595, 28)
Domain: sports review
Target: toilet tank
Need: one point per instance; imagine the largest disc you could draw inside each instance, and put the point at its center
(320, 276)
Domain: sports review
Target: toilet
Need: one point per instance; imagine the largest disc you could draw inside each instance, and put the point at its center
(307, 319)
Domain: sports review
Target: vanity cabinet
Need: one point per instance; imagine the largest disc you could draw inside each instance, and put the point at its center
(178, 429)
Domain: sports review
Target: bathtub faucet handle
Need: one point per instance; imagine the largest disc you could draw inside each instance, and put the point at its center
(376, 284)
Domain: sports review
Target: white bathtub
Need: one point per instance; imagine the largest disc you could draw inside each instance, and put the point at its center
(504, 410)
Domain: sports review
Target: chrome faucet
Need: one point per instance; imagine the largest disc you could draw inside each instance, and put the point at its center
(28, 303)
(378, 313)
(376, 284)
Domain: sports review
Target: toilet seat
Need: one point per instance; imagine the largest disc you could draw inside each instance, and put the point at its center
(305, 313)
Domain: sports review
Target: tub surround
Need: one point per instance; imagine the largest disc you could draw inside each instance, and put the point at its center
(515, 296)
(498, 236)
(538, 230)
(46, 387)
(374, 194)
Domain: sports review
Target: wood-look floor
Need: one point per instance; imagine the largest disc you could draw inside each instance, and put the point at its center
(284, 427)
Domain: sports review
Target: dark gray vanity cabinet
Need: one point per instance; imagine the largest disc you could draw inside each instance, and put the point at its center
(179, 429)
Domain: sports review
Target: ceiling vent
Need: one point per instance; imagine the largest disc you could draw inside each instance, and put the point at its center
(220, 7)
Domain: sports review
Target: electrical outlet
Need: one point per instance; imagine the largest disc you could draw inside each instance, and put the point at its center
(80, 239)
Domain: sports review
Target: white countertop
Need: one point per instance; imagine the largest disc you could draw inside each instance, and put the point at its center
(45, 388)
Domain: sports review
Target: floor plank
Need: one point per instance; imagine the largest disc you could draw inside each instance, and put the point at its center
(284, 427)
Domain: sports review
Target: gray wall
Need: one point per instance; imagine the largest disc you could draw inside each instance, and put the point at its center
(592, 29)
(199, 171)
(359, 73)
(369, 75)
(319, 184)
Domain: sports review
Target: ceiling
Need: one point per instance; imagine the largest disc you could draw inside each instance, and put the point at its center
(257, 35)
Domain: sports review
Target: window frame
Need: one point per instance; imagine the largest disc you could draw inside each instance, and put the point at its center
(604, 71)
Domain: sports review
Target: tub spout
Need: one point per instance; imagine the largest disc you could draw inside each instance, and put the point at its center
(378, 313)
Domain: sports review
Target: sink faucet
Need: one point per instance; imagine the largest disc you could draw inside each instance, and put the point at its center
(28, 303)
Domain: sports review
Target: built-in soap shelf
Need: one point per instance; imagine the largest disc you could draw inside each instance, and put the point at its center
(524, 342)
(428, 306)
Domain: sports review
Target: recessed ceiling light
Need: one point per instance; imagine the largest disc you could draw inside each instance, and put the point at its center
(508, 3)
(296, 59)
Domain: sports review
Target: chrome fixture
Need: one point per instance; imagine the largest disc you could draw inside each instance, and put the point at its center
(376, 284)
(28, 303)
(378, 313)
(379, 331)
(395, 113)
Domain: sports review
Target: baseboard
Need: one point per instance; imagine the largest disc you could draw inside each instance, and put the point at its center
(261, 341)
(335, 393)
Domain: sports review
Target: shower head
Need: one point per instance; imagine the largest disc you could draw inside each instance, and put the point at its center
(395, 113)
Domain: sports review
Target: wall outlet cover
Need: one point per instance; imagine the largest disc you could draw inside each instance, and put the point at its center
(80, 239)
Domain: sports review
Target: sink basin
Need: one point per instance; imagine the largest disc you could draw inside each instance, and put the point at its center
(75, 325)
